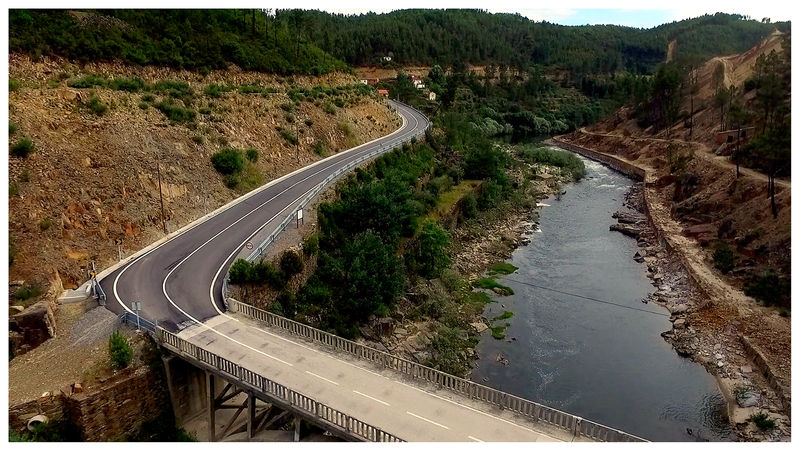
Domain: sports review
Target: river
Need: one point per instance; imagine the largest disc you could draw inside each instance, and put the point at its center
(603, 362)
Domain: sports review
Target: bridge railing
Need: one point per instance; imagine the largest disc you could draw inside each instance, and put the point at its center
(578, 426)
(142, 322)
(261, 384)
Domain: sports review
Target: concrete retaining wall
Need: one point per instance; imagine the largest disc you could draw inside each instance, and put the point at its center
(631, 170)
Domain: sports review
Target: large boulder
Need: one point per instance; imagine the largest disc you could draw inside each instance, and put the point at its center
(32, 327)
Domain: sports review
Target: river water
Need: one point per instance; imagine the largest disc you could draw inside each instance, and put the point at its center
(599, 361)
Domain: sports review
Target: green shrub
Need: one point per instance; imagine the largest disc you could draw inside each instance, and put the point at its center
(25, 175)
(175, 112)
(319, 148)
(13, 188)
(251, 89)
(45, 223)
(291, 263)
(329, 108)
(499, 332)
(96, 106)
(148, 97)
(205, 110)
(228, 161)
(289, 118)
(769, 288)
(173, 87)
(26, 292)
(22, 148)
(232, 180)
(252, 154)
(242, 272)
(133, 84)
(88, 81)
(216, 91)
(289, 136)
(144, 105)
(430, 255)
(287, 106)
(308, 122)
(12, 128)
(469, 207)
(311, 244)
(763, 421)
(569, 164)
(119, 350)
(13, 84)
(724, 260)
(250, 178)
(198, 139)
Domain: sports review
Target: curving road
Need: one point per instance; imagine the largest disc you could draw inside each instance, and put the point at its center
(179, 282)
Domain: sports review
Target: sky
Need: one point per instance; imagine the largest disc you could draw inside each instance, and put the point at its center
(581, 12)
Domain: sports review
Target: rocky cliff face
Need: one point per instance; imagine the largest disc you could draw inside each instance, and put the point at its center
(92, 180)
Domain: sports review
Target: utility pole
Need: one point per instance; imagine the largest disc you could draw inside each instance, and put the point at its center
(161, 197)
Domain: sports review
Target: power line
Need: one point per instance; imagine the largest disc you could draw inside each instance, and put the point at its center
(585, 297)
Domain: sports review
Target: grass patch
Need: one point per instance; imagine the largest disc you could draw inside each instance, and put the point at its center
(12, 128)
(45, 223)
(250, 178)
(13, 84)
(490, 284)
(350, 138)
(216, 91)
(505, 315)
(22, 148)
(448, 199)
(502, 268)
(13, 189)
(499, 332)
(88, 81)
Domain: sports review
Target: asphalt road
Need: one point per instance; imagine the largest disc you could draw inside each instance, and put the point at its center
(179, 281)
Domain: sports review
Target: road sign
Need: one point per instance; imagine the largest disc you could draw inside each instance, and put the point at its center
(249, 245)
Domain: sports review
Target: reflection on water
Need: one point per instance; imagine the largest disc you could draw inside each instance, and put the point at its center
(599, 361)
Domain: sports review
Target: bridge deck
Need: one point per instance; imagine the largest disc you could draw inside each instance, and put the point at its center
(380, 397)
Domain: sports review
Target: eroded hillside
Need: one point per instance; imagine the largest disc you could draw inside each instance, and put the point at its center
(101, 132)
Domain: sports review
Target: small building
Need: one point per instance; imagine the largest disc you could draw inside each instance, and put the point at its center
(729, 136)
(383, 92)
(387, 59)
(431, 95)
(363, 81)
(419, 84)
(373, 81)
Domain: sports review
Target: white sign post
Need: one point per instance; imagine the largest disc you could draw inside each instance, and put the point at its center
(137, 307)
(300, 217)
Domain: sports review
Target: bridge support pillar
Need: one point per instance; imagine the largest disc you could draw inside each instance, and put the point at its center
(173, 397)
(296, 429)
(251, 415)
(211, 405)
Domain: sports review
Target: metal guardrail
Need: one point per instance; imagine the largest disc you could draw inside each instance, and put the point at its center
(261, 384)
(578, 426)
(140, 321)
(384, 148)
(99, 292)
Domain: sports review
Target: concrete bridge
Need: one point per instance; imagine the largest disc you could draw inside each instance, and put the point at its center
(236, 359)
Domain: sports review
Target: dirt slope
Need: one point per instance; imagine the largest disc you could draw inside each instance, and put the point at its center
(93, 179)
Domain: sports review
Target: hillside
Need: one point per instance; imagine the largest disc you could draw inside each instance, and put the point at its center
(92, 177)
(459, 37)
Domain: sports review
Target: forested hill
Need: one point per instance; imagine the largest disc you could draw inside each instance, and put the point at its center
(314, 42)
(449, 37)
(192, 39)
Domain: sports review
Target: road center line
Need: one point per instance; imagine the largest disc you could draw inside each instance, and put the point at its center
(370, 397)
(323, 378)
(429, 421)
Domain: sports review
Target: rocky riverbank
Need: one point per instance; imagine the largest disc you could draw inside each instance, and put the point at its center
(745, 388)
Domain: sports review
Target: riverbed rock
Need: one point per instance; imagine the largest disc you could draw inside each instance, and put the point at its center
(479, 326)
(678, 308)
(626, 229)
(749, 399)
(679, 323)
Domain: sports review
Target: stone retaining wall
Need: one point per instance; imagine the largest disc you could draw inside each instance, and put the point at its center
(116, 408)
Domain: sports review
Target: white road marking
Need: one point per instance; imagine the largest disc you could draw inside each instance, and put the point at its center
(323, 378)
(474, 439)
(429, 421)
(370, 397)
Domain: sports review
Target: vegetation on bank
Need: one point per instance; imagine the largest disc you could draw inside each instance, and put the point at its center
(570, 165)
